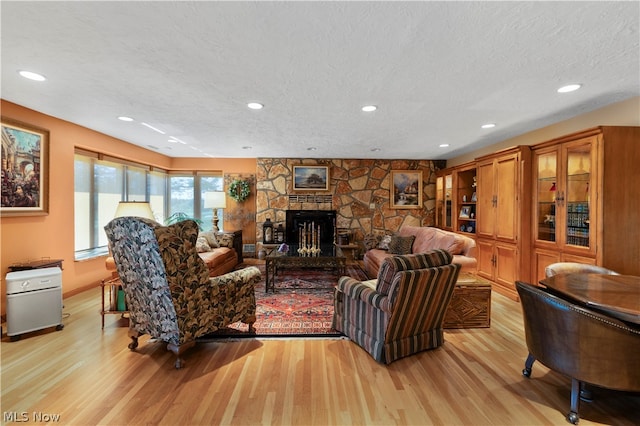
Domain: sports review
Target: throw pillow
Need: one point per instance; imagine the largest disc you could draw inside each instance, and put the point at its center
(226, 240)
(212, 240)
(384, 243)
(202, 245)
(371, 241)
(401, 245)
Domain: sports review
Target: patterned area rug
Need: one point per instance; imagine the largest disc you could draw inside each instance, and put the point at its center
(302, 304)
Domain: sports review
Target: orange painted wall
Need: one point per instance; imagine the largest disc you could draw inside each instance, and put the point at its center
(35, 237)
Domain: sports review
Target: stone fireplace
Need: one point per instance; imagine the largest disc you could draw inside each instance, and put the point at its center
(296, 220)
(359, 194)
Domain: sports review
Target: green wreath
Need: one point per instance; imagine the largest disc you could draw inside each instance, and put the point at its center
(239, 190)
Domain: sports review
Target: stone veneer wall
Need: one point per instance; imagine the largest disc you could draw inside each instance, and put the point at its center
(359, 189)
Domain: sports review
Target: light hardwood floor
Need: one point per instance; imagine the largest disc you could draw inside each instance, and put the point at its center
(88, 376)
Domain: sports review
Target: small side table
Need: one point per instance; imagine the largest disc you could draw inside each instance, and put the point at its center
(350, 251)
(269, 248)
(110, 306)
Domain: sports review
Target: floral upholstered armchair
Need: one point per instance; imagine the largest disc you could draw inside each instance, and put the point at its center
(402, 311)
(169, 292)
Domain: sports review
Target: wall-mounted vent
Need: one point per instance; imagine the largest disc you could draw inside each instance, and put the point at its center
(249, 250)
(310, 198)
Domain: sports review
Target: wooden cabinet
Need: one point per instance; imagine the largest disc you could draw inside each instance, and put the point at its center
(498, 261)
(503, 218)
(586, 200)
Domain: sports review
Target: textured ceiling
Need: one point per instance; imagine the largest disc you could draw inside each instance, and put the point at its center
(436, 70)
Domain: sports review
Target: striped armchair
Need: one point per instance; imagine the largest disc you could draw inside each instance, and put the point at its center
(402, 311)
(167, 285)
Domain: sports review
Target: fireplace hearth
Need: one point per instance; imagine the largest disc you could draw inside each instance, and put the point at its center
(296, 220)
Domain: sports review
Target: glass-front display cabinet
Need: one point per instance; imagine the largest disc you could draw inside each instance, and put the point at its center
(444, 206)
(564, 185)
(585, 200)
(448, 201)
(439, 201)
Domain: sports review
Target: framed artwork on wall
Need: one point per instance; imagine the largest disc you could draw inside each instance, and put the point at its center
(25, 169)
(406, 189)
(310, 178)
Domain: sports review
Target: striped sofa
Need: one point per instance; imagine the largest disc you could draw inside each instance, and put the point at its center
(402, 311)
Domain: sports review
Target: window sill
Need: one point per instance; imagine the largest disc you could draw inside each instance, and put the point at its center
(83, 255)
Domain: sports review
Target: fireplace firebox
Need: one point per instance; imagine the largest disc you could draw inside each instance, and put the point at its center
(325, 219)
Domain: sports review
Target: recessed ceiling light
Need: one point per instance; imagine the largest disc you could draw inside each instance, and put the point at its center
(488, 126)
(173, 139)
(32, 75)
(155, 129)
(569, 88)
(375, 149)
(444, 145)
(247, 147)
(125, 118)
(255, 105)
(311, 148)
(369, 108)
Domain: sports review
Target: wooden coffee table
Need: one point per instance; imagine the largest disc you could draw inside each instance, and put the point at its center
(330, 256)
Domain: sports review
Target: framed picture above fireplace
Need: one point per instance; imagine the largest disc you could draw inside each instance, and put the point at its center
(310, 178)
(406, 189)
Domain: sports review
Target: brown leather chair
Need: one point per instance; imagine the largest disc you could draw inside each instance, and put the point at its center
(574, 267)
(585, 345)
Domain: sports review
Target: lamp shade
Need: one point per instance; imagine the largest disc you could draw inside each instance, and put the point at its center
(215, 200)
(134, 208)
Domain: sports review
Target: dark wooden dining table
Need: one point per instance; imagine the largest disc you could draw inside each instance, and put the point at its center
(615, 295)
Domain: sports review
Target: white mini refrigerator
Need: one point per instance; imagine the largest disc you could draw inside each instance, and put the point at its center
(34, 300)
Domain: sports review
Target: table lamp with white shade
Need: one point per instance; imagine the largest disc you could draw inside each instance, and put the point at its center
(134, 208)
(215, 201)
(129, 208)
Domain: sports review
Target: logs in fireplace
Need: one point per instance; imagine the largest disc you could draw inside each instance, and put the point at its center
(324, 219)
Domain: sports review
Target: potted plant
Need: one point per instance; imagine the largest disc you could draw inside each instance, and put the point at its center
(179, 217)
